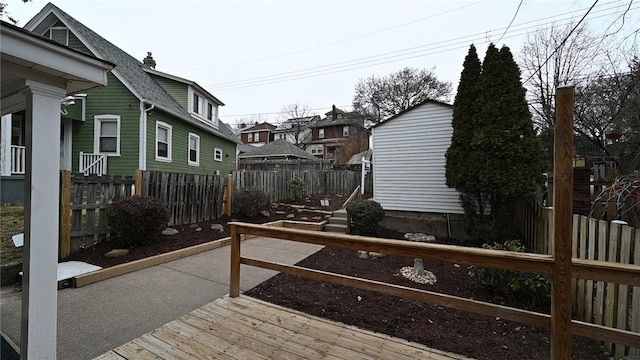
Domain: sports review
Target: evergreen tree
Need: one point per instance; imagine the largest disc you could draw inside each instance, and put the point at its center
(504, 159)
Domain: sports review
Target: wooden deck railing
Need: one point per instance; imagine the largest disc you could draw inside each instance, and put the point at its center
(532, 263)
(93, 164)
(17, 159)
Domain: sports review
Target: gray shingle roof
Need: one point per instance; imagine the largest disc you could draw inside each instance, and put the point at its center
(131, 69)
(277, 148)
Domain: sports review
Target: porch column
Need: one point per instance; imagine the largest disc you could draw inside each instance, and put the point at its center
(5, 145)
(40, 253)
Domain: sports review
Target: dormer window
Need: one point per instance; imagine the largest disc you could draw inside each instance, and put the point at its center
(197, 104)
(321, 133)
(60, 35)
(202, 108)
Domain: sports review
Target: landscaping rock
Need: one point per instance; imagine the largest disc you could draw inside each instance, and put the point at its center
(363, 254)
(217, 227)
(198, 229)
(265, 213)
(193, 226)
(375, 255)
(280, 212)
(419, 237)
(316, 218)
(304, 218)
(117, 253)
(169, 231)
(291, 216)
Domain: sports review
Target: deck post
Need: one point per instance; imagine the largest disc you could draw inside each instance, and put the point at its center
(138, 182)
(234, 282)
(65, 208)
(562, 226)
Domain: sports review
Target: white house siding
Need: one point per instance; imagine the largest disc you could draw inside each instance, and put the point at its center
(409, 161)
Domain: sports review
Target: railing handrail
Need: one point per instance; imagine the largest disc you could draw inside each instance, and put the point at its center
(18, 159)
(544, 264)
(92, 161)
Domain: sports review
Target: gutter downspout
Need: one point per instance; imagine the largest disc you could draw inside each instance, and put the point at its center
(142, 147)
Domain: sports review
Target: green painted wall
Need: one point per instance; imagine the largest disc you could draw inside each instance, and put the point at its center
(180, 148)
(114, 99)
(75, 43)
(177, 90)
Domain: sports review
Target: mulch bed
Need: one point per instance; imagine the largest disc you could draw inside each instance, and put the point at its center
(456, 331)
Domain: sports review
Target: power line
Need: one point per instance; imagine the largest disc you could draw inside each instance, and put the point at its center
(340, 41)
(377, 59)
(562, 42)
(511, 22)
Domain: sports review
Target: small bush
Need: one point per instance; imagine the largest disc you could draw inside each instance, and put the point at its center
(250, 201)
(298, 188)
(137, 220)
(512, 284)
(365, 216)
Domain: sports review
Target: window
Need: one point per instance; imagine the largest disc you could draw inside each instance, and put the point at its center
(197, 104)
(250, 137)
(321, 133)
(217, 154)
(345, 131)
(106, 134)
(59, 34)
(194, 149)
(256, 137)
(317, 149)
(163, 142)
(209, 111)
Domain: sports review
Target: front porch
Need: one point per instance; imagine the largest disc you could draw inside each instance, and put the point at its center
(247, 328)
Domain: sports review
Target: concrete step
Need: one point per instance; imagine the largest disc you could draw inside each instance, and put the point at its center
(338, 220)
(339, 228)
(342, 213)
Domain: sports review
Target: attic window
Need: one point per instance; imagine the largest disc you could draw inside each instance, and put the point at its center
(60, 35)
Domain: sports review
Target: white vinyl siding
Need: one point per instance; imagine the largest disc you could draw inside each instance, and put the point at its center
(409, 161)
(163, 141)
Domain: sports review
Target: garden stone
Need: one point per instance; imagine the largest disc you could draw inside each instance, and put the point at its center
(198, 229)
(375, 255)
(291, 216)
(169, 231)
(117, 253)
(316, 218)
(280, 212)
(217, 227)
(304, 218)
(363, 254)
(265, 213)
(418, 265)
(193, 226)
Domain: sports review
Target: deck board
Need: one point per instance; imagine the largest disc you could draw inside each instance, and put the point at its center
(246, 328)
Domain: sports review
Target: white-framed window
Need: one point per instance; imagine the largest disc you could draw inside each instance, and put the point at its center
(321, 133)
(194, 149)
(250, 137)
(317, 149)
(202, 108)
(210, 112)
(59, 34)
(106, 135)
(163, 141)
(197, 104)
(345, 130)
(217, 154)
(256, 137)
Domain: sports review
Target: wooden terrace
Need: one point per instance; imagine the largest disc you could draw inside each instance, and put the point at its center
(244, 328)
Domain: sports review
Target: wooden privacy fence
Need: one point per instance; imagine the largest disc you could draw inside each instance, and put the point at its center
(83, 199)
(299, 164)
(191, 198)
(597, 302)
(276, 183)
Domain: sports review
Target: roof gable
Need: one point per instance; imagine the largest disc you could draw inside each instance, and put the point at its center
(428, 101)
(258, 127)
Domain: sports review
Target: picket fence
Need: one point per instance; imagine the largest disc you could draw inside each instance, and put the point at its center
(276, 183)
(597, 302)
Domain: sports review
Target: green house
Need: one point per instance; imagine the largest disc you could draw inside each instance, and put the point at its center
(143, 119)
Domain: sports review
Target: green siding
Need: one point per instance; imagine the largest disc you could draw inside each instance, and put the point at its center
(114, 99)
(180, 148)
(177, 90)
(76, 44)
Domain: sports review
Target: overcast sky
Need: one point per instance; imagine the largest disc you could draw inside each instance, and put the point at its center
(260, 56)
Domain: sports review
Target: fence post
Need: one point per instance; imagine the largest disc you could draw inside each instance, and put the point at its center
(228, 195)
(562, 229)
(138, 182)
(234, 281)
(65, 218)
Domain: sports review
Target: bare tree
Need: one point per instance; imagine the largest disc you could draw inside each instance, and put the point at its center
(6, 14)
(296, 118)
(378, 98)
(570, 63)
(249, 121)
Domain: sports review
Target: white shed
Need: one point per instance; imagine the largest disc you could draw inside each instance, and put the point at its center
(409, 160)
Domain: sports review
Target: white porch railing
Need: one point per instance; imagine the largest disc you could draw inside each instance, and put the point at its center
(93, 164)
(17, 159)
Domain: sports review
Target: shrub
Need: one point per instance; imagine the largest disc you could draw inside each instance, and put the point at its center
(298, 187)
(365, 216)
(512, 284)
(137, 220)
(250, 201)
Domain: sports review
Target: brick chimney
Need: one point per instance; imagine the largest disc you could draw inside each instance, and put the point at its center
(334, 113)
(148, 61)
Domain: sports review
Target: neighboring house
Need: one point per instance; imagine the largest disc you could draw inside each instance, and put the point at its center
(37, 74)
(328, 133)
(409, 161)
(276, 150)
(257, 135)
(288, 130)
(144, 119)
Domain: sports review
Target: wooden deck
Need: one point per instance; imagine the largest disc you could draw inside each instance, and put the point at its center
(245, 328)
